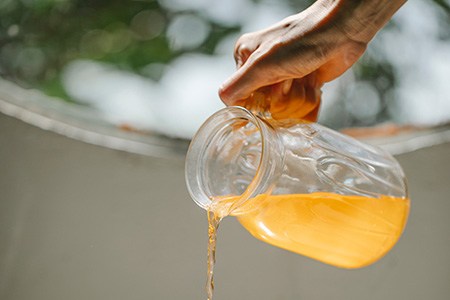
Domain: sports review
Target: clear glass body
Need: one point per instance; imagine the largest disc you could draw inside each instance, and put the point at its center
(300, 186)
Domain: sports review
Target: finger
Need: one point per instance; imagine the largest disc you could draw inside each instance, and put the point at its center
(290, 106)
(279, 92)
(286, 86)
(302, 101)
(242, 53)
(243, 82)
(268, 65)
(245, 46)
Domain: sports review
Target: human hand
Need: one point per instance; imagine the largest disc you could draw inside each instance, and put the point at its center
(316, 45)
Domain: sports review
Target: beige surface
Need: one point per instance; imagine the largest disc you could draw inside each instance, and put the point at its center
(83, 222)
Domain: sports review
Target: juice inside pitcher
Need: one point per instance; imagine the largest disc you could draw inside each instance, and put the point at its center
(273, 146)
(344, 231)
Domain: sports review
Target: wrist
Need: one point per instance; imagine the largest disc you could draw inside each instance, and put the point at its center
(360, 20)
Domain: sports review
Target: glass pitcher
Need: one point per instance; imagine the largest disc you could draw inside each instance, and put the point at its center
(299, 186)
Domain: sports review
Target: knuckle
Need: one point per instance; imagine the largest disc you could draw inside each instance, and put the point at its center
(246, 44)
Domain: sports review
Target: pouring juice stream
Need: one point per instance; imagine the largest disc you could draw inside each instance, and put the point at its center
(297, 185)
(344, 231)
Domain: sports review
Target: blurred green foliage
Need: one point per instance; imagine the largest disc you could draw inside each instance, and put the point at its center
(39, 37)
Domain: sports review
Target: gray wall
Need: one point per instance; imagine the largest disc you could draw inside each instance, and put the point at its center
(83, 222)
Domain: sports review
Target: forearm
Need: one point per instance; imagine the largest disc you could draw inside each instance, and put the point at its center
(358, 20)
(362, 19)
(321, 42)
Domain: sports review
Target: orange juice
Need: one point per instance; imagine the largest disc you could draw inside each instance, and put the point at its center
(344, 231)
(213, 224)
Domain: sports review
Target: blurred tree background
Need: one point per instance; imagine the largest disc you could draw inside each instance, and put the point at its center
(39, 37)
